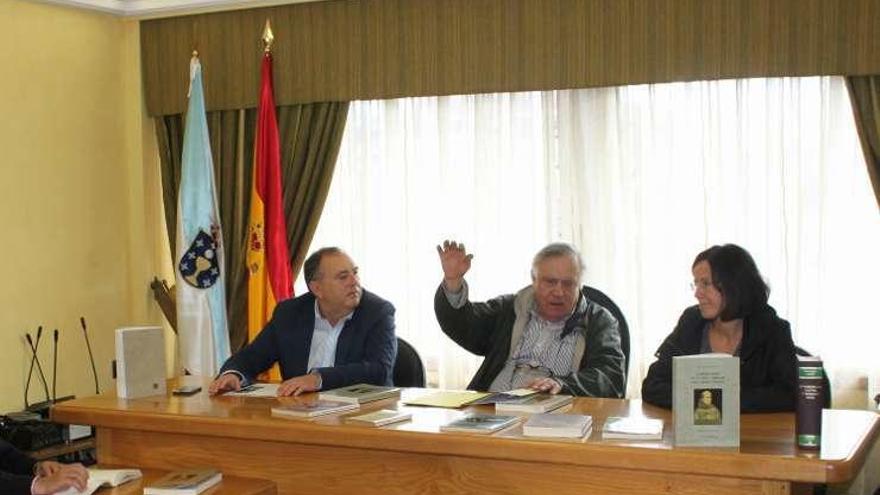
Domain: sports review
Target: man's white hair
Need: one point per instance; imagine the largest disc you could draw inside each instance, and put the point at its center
(557, 249)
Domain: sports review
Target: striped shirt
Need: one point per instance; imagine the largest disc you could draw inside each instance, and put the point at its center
(543, 351)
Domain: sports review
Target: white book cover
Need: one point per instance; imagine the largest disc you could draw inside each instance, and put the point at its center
(140, 362)
(705, 400)
(381, 418)
(557, 425)
(632, 428)
(99, 478)
(538, 403)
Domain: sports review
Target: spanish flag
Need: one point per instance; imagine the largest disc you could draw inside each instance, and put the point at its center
(269, 280)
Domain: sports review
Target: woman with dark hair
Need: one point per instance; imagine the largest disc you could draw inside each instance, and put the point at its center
(732, 317)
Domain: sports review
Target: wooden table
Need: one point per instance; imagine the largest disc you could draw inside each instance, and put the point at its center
(327, 455)
(231, 485)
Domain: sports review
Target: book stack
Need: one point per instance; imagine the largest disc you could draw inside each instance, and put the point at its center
(538, 403)
(480, 423)
(311, 409)
(381, 418)
(557, 425)
(360, 393)
(185, 482)
(632, 428)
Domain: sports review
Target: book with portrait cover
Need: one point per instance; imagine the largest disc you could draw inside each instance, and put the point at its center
(360, 393)
(705, 400)
(480, 423)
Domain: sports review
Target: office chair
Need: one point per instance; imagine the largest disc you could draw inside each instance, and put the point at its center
(408, 368)
(603, 300)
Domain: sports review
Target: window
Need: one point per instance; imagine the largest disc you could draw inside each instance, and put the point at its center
(640, 178)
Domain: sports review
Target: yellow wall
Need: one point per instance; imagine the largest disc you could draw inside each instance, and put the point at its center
(79, 200)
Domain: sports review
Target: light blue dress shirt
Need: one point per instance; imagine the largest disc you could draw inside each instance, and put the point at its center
(322, 353)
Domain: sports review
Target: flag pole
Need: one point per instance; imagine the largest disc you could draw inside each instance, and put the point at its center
(268, 37)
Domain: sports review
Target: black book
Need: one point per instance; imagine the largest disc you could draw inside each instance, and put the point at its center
(810, 399)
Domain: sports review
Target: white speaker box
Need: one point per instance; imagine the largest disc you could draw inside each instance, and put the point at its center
(140, 362)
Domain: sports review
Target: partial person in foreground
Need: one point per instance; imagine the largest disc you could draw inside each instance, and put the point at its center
(732, 317)
(337, 334)
(22, 475)
(548, 336)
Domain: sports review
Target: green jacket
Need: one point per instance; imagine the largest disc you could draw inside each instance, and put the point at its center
(493, 329)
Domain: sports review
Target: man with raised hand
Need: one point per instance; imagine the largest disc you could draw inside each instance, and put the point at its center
(548, 336)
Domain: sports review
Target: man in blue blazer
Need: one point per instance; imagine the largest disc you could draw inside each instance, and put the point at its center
(337, 334)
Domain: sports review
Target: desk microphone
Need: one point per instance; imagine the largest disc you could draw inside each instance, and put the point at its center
(54, 366)
(37, 360)
(27, 384)
(82, 321)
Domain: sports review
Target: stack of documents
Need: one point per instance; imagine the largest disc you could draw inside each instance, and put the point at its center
(557, 425)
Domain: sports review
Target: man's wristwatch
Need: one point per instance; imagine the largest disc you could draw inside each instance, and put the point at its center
(320, 380)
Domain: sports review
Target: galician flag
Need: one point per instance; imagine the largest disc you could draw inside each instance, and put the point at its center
(268, 262)
(201, 292)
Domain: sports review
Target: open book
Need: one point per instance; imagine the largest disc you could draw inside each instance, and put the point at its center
(105, 477)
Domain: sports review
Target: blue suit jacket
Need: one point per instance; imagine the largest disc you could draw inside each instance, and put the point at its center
(16, 470)
(365, 351)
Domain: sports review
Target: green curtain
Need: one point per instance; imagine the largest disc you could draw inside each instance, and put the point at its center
(864, 93)
(310, 134)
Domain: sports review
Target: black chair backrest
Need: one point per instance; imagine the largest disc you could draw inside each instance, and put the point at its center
(408, 368)
(826, 383)
(600, 298)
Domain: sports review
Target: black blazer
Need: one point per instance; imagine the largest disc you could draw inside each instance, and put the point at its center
(365, 350)
(768, 374)
(16, 470)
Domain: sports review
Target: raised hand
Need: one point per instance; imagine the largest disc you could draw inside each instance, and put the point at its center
(455, 262)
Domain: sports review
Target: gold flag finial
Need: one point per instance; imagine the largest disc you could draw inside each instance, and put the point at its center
(195, 53)
(268, 37)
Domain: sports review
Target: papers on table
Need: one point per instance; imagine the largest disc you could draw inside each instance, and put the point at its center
(256, 390)
(451, 399)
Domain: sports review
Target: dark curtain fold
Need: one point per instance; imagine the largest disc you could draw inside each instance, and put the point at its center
(310, 135)
(864, 93)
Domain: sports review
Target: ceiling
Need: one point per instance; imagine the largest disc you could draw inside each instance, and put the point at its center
(145, 9)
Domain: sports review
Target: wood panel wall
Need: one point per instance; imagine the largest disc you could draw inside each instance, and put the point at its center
(367, 49)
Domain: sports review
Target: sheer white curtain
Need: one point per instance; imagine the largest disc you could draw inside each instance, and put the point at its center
(412, 172)
(659, 172)
(641, 178)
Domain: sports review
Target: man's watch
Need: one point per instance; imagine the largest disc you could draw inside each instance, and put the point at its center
(320, 380)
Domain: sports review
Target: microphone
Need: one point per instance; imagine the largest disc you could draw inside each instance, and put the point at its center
(37, 360)
(54, 366)
(27, 384)
(82, 322)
